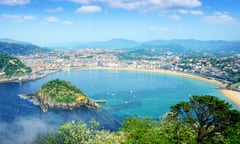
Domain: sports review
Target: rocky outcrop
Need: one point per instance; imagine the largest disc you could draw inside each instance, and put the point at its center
(46, 104)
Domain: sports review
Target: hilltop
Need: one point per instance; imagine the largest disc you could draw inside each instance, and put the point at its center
(61, 91)
(187, 46)
(13, 47)
(62, 95)
(12, 67)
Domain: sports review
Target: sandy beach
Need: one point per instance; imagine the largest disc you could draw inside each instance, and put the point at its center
(166, 72)
(234, 96)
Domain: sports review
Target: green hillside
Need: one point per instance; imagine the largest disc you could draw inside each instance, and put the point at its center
(61, 91)
(20, 48)
(12, 67)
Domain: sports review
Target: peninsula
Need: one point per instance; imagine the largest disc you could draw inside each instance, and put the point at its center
(61, 94)
(11, 67)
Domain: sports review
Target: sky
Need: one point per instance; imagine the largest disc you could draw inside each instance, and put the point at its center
(48, 22)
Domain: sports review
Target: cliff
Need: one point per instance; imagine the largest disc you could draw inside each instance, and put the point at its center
(60, 94)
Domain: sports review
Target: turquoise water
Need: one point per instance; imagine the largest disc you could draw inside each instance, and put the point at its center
(139, 93)
(128, 93)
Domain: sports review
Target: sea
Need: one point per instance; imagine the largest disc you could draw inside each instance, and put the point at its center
(128, 94)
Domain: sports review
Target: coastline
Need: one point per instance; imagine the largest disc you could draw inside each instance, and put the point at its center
(232, 95)
(46, 104)
(23, 78)
(162, 71)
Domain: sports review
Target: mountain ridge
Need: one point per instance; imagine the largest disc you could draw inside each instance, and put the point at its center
(14, 47)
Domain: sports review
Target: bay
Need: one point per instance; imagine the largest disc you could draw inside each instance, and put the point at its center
(128, 93)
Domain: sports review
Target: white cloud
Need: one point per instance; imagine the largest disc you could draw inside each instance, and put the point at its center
(89, 9)
(66, 22)
(58, 9)
(183, 11)
(17, 18)
(193, 12)
(23, 129)
(145, 5)
(14, 2)
(52, 19)
(196, 12)
(219, 18)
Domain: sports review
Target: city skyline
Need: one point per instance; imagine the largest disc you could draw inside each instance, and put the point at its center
(62, 21)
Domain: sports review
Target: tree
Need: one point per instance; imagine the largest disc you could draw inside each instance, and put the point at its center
(141, 131)
(207, 115)
(150, 131)
(232, 134)
(80, 133)
(173, 131)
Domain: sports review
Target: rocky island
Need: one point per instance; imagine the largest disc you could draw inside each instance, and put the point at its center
(61, 94)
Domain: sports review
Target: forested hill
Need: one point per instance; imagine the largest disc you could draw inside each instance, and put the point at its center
(12, 47)
(61, 91)
(11, 67)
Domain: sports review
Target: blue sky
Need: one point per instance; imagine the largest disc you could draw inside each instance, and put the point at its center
(47, 22)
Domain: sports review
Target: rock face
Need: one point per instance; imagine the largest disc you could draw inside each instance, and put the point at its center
(60, 94)
(45, 105)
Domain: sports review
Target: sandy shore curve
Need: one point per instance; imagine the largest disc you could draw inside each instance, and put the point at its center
(234, 96)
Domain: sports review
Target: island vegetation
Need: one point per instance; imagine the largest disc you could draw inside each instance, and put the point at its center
(201, 120)
(62, 95)
(61, 91)
(12, 67)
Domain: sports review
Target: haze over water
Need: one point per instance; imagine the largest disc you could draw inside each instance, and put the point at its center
(128, 93)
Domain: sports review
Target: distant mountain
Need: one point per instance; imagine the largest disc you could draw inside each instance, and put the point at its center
(174, 45)
(111, 44)
(183, 46)
(197, 44)
(12, 41)
(12, 47)
(194, 47)
(12, 67)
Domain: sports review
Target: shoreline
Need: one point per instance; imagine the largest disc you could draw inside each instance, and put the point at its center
(45, 104)
(233, 96)
(20, 79)
(162, 71)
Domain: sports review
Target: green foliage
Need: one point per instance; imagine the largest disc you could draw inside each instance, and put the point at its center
(12, 66)
(173, 131)
(203, 119)
(149, 131)
(60, 91)
(141, 131)
(232, 134)
(20, 48)
(207, 115)
(79, 133)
